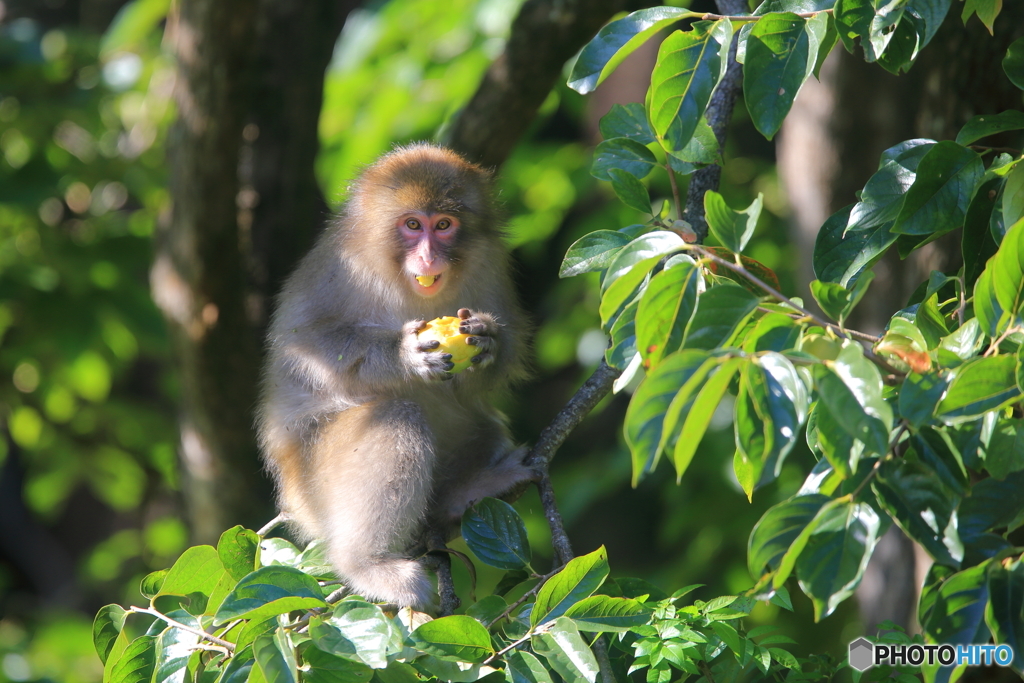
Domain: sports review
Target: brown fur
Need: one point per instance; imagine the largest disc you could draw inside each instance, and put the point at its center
(366, 443)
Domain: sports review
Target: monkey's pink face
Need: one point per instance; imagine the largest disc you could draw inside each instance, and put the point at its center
(427, 237)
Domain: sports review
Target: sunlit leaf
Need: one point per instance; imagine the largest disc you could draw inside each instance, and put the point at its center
(456, 638)
(732, 228)
(566, 651)
(577, 580)
(594, 251)
(268, 591)
(615, 42)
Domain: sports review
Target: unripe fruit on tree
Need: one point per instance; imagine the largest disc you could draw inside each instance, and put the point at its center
(446, 331)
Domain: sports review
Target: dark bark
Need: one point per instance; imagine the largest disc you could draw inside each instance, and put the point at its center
(718, 113)
(544, 35)
(246, 204)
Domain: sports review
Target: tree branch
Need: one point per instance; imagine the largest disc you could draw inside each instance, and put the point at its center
(544, 35)
(718, 114)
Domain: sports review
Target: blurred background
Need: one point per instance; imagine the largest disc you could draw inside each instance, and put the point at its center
(133, 298)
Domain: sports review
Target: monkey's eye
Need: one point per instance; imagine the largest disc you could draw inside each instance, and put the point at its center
(443, 224)
(412, 224)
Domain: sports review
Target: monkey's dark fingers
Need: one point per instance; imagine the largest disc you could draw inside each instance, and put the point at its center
(465, 313)
(480, 360)
(473, 326)
(428, 345)
(483, 342)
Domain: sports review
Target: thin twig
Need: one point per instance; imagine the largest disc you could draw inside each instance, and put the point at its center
(441, 563)
(526, 596)
(509, 647)
(272, 524)
(675, 191)
(559, 539)
(604, 662)
(857, 334)
(177, 624)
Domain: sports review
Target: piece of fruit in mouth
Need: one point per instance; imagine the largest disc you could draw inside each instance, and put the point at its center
(446, 331)
(427, 280)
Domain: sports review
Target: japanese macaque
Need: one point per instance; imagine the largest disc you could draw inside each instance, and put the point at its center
(370, 437)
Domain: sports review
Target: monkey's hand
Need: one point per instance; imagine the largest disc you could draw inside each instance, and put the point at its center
(422, 357)
(484, 332)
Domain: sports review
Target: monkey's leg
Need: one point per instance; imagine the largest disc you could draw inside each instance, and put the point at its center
(488, 465)
(373, 467)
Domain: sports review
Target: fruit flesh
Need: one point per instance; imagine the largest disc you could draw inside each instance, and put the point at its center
(446, 331)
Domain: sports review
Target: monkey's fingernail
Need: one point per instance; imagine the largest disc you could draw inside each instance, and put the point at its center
(471, 341)
(464, 313)
(446, 356)
(449, 366)
(476, 359)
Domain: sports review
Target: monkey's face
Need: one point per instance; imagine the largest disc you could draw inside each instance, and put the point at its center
(428, 240)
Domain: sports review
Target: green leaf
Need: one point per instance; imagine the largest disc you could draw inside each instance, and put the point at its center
(781, 55)
(841, 450)
(625, 290)
(623, 347)
(268, 591)
(630, 191)
(841, 255)
(987, 11)
(328, 668)
(835, 300)
(641, 250)
(933, 449)
(1005, 452)
(984, 125)
(275, 657)
(456, 638)
(979, 386)
(926, 511)
(1013, 196)
(152, 582)
(721, 310)
(137, 663)
(357, 631)
(847, 407)
(699, 412)
(773, 332)
(957, 610)
(1013, 65)
(645, 416)
(566, 651)
(523, 667)
(732, 228)
(688, 68)
(884, 193)
(664, 311)
(937, 201)
(703, 147)
(616, 41)
(977, 244)
(133, 23)
(627, 121)
(1003, 614)
(625, 154)
(173, 647)
(831, 564)
(604, 613)
(773, 534)
(237, 551)
(495, 533)
(578, 580)
(198, 570)
(106, 627)
(239, 667)
(592, 252)
(920, 395)
(1003, 281)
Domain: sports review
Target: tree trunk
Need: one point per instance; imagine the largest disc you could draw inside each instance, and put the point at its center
(245, 205)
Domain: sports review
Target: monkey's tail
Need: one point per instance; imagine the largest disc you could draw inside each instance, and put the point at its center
(387, 578)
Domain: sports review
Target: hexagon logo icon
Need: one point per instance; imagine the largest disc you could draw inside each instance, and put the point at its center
(862, 654)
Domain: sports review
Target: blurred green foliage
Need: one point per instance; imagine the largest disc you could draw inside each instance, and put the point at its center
(90, 400)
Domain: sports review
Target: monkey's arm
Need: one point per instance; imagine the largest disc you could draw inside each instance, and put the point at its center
(360, 359)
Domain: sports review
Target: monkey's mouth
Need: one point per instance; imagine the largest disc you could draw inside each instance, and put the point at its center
(428, 284)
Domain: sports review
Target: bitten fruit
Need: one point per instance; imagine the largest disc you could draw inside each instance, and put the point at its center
(446, 331)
